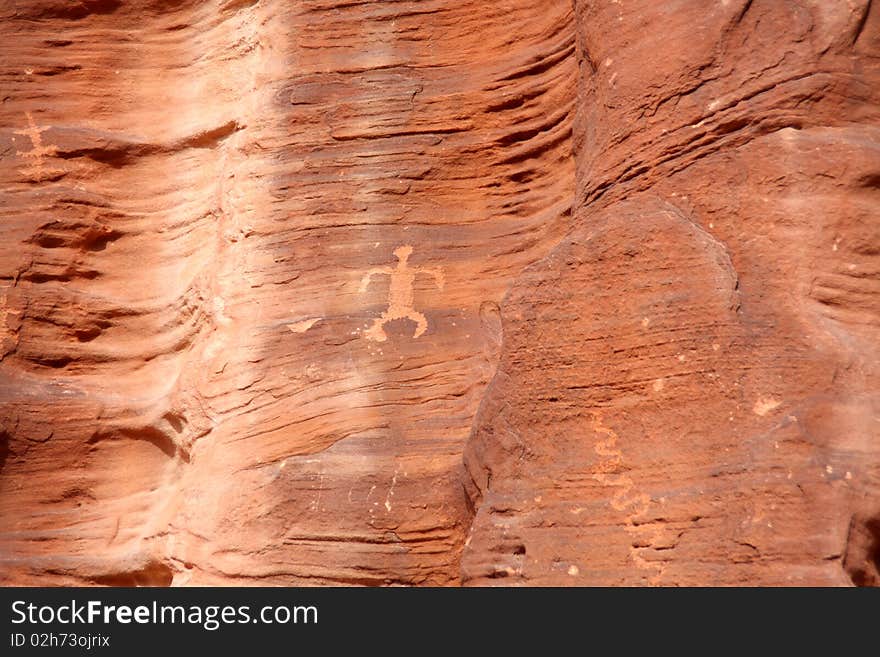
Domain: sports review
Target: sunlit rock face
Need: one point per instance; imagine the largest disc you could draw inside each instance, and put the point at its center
(435, 292)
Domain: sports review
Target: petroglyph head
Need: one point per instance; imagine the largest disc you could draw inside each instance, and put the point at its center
(403, 252)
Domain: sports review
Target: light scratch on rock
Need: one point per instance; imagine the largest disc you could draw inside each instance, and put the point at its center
(303, 326)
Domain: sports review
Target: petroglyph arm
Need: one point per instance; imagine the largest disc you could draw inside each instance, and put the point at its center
(377, 271)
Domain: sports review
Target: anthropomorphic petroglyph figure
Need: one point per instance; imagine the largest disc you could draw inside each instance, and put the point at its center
(35, 169)
(400, 293)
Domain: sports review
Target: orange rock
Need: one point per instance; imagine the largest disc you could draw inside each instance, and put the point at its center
(659, 227)
(687, 393)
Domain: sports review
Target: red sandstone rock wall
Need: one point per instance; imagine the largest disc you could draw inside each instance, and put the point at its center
(688, 390)
(262, 260)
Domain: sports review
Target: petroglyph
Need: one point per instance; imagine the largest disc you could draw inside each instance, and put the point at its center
(400, 293)
(608, 473)
(303, 326)
(391, 490)
(36, 167)
(764, 405)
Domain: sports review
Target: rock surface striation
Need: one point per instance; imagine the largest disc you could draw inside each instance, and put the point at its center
(439, 293)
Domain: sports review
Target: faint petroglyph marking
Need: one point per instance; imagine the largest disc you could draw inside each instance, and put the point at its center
(303, 326)
(370, 509)
(220, 311)
(316, 503)
(314, 373)
(391, 490)
(764, 405)
(400, 293)
(36, 167)
(625, 499)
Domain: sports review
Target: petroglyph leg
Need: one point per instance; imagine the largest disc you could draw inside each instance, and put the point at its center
(421, 322)
(376, 331)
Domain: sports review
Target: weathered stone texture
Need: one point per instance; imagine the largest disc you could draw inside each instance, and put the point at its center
(439, 292)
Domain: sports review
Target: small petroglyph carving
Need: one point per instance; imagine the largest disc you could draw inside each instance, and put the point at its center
(35, 169)
(611, 472)
(400, 293)
(764, 405)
